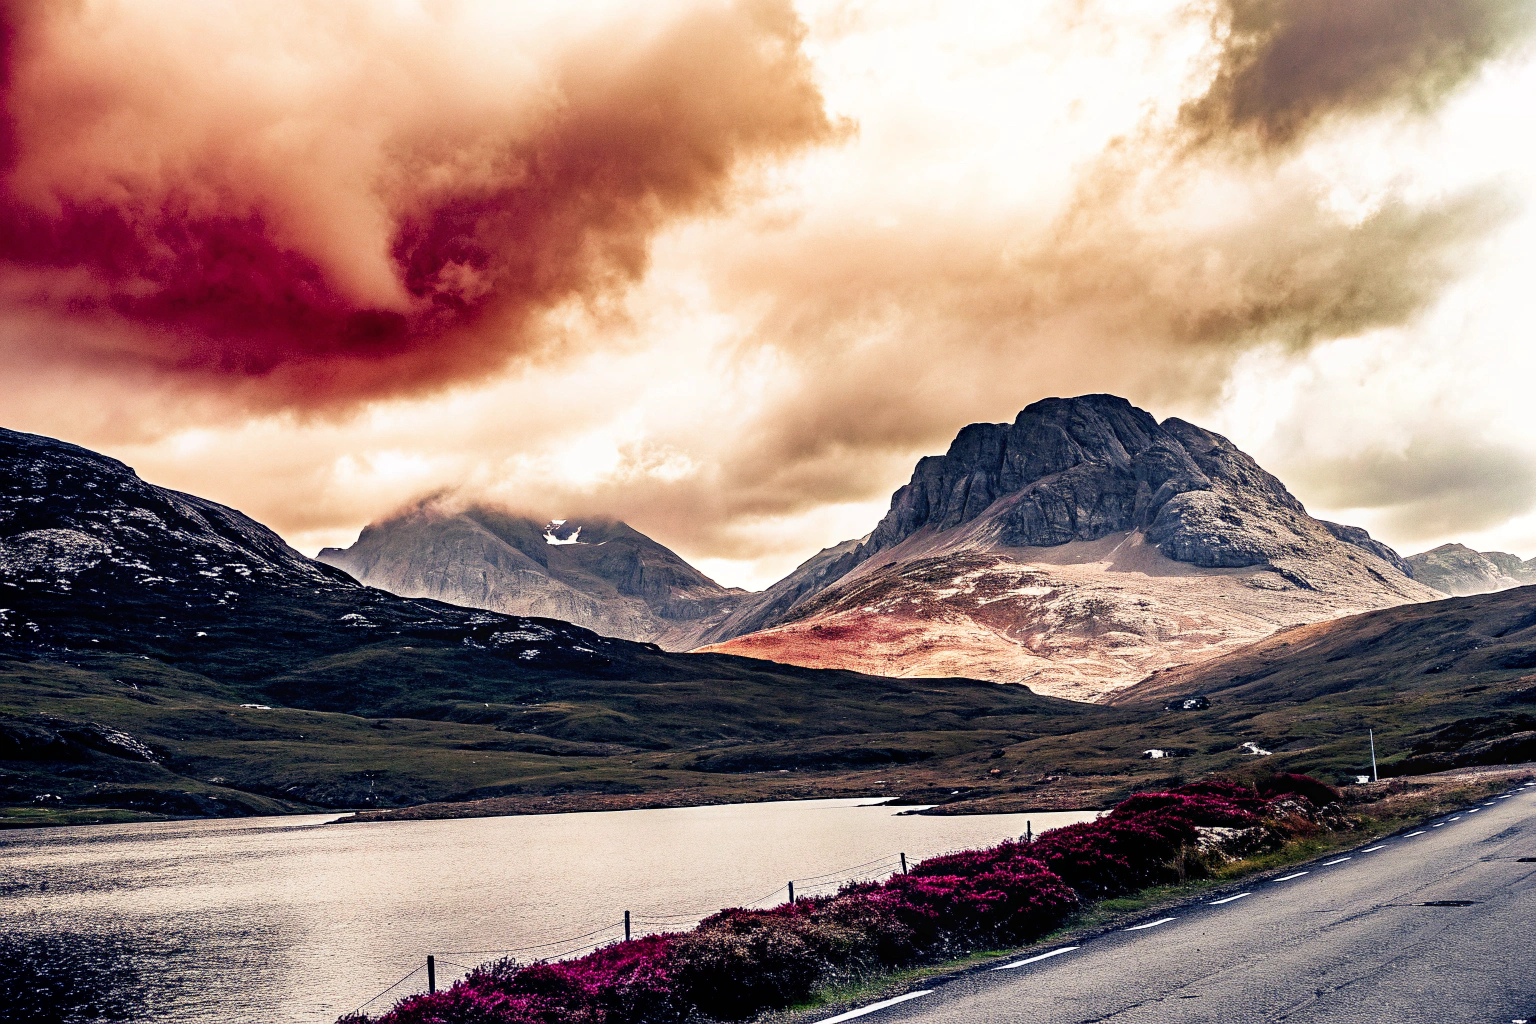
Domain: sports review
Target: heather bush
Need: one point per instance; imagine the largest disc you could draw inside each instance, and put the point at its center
(739, 962)
(1318, 794)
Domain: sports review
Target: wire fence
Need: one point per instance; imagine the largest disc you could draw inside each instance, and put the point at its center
(557, 949)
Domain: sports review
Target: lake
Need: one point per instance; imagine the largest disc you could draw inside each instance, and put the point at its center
(295, 920)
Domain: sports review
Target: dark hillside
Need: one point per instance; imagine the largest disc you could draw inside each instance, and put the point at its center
(1444, 684)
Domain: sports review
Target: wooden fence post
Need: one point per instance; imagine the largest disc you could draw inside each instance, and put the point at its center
(431, 973)
(903, 863)
(791, 892)
(626, 926)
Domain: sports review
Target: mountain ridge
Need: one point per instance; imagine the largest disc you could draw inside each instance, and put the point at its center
(1459, 571)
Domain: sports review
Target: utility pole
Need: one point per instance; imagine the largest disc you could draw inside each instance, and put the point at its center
(1372, 734)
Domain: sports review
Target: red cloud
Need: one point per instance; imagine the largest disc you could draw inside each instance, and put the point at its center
(191, 198)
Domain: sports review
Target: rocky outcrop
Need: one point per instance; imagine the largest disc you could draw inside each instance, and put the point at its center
(1457, 570)
(598, 573)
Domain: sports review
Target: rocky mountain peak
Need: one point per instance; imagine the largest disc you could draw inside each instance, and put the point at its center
(1078, 469)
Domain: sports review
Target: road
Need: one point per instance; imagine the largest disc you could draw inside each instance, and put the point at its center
(1435, 925)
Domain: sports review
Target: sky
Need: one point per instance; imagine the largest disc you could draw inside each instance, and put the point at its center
(725, 270)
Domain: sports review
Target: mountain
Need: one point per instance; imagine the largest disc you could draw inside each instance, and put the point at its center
(597, 573)
(1076, 549)
(163, 654)
(1458, 570)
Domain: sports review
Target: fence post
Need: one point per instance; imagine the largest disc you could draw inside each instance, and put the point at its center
(626, 926)
(1029, 831)
(431, 973)
(903, 863)
(791, 892)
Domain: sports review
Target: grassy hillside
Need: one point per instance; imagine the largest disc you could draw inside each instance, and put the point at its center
(372, 701)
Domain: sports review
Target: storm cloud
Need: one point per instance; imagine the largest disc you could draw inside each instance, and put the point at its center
(643, 265)
(348, 203)
(1283, 67)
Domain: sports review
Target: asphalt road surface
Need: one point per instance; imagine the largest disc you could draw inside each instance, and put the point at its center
(1436, 925)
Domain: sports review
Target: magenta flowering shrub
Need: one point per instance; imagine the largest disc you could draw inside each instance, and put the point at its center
(628, 981)
(739, 962)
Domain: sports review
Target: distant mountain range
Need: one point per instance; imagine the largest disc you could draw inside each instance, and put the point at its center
(1457, 570)
(1076, 549)
(596, 573)
(162, 653)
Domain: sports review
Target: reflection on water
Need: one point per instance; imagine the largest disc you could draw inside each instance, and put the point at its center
(70, 978)
(292, 920)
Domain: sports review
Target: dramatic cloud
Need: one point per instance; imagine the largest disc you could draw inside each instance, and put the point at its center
(347, 202)
(585, 260)
(1285, 66)
(1430, 487)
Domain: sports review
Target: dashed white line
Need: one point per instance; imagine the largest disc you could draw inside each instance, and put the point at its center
(1149, 924)
(1438, 824)
(1033, 959)
(1331, 863)
(1410, 835)
(1229, 899)
(1373, 849)
(1474, 810)
(872, 1007)
(1287, 878)
(1457, 818)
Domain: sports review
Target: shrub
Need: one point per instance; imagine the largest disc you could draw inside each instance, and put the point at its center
(1318, 794)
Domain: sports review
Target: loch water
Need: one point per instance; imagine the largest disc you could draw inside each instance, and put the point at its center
(295, 920)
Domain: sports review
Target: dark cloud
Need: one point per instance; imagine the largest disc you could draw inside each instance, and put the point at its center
(1431, 487)
(172, 222)
(1284, 66)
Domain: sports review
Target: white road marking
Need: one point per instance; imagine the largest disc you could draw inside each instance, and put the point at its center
(872, 1007)
(1373, 849)
(1229, 899)
(1033, 959)
(1438, 824)
(1287, 878)
(1410, 835)
(1457, 818)
(1331, 863)
(1149, 924)
(1474, 810)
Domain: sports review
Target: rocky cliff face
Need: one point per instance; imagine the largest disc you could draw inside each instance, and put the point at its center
(1077, 548)
(1459, 571)
(1080, 469)
(597, 573)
